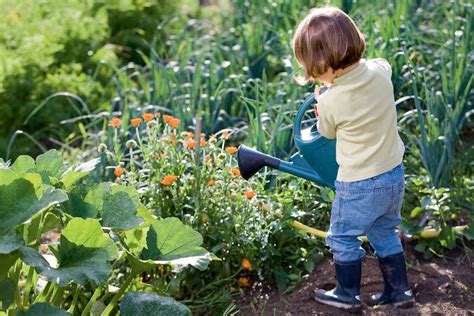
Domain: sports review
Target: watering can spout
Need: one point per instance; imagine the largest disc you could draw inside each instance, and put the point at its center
(251, 161)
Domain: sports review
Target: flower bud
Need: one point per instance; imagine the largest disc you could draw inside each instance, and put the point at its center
(131, 144)
(102, 148)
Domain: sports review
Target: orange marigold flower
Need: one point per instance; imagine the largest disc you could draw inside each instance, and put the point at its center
(225, 135)
(244, 281)
(249, 194)
(191, 143)
(188, 134)
(167, 118)
(115, 122)
(231, 150)
(174, 122)
(118, 171)
(246, 264)
(202, 143)
(211, 182)
(168, 180)
(235, 172)
(136, 121)
(148, 116)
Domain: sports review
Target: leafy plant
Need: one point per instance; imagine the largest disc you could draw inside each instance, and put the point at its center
(35, 198)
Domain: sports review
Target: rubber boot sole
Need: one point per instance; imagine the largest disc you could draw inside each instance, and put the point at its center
(351, 308)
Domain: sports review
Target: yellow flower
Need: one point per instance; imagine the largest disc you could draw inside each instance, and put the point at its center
(204, 219)
(211, 182)
(168, 180)
(136, 121)
(148, 116)
(231, 150)
(249, 194)
(246, 264)
(115, 122)
(235, 172)
(118, 171)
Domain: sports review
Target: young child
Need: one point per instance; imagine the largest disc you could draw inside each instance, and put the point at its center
(358, 110)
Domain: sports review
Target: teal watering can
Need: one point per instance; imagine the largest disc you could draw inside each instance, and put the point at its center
(314, 161)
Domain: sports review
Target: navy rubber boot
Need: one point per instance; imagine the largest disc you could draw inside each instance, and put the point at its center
(346, 295)
(396, 288)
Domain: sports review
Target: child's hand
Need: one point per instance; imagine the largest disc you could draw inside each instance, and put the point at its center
(320, 90)
(317, 92)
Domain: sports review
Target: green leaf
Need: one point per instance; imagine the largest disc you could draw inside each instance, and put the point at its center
(50, 165)
(18, 203)
(169, 241)
(87, 166)
(469, 232)
(24, 164)
(117, 205)
(416, 211)
(71, 177)
(83, 255)
(6, 262)
(148, 304)
(44, 309)
(10, 242)
(7, 293)
(447, 237)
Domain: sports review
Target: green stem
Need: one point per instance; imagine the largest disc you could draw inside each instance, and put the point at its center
(28, 286)
(58, 296)
(44, 293)
(74, 300)
(94, 297)
(16, 279)
(119, 294)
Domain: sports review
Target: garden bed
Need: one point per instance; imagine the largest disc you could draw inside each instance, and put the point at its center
(441, 286)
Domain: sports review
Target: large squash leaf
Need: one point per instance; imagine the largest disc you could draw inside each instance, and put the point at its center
(116, 205)
(148, 304)
(50, 166)
(44, 309)
(169, 241)
(20, 200)
(83, 255)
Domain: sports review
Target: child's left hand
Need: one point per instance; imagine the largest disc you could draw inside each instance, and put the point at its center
(317, 92)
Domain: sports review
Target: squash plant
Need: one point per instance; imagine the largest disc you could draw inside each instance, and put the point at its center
(104, 231)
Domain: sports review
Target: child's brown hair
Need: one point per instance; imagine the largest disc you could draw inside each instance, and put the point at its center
(327, 37)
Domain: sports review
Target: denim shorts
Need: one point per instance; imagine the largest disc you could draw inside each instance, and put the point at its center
(368, 207)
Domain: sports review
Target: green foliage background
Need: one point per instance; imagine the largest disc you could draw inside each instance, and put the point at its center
(51, 46)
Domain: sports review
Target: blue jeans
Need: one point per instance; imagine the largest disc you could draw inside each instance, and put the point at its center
(368, 207)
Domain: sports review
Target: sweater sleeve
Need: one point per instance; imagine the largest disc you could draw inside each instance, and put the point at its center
(384, 65)
(326, 124)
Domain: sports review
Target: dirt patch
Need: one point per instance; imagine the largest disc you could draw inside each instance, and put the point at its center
(440, 288)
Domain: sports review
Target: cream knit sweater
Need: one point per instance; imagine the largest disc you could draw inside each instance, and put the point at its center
(359, 111)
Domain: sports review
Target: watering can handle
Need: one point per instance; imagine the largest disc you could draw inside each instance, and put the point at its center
(310, 100)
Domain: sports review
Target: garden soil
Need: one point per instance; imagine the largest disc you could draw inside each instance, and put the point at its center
(441, 287)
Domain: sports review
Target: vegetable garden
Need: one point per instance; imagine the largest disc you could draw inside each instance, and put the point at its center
(119, 185)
